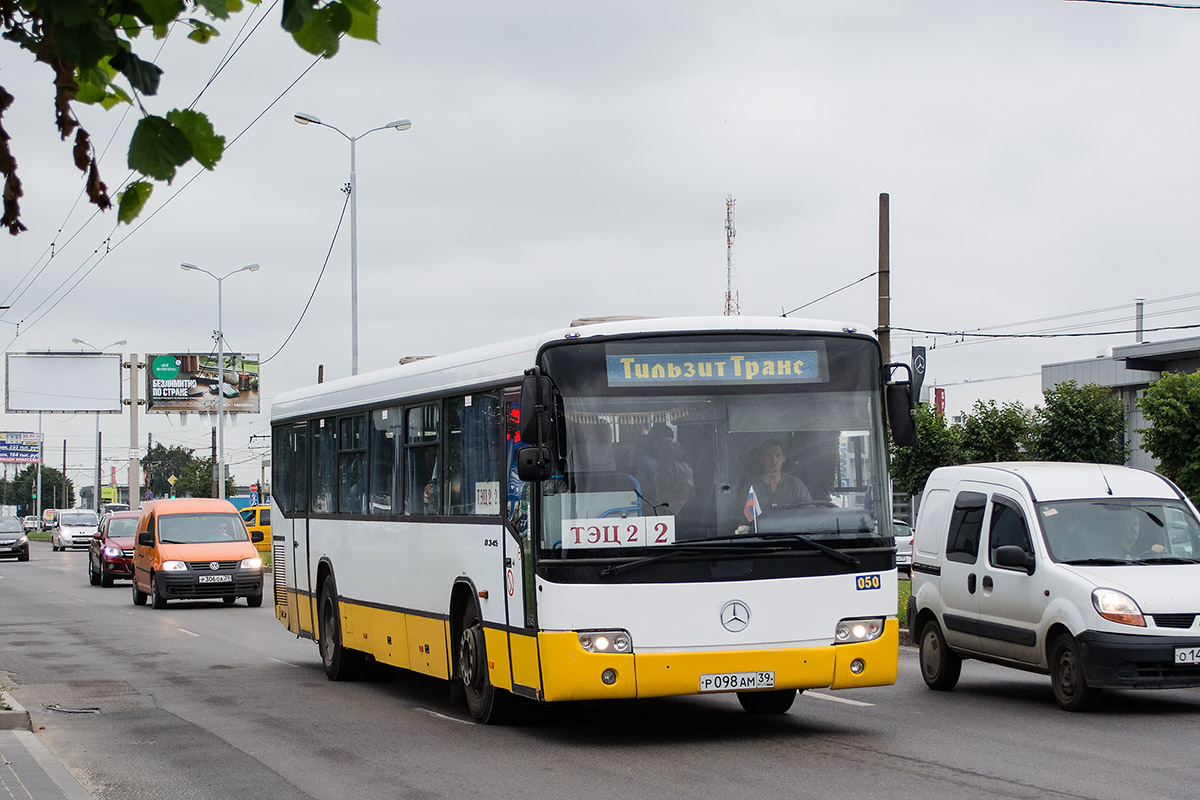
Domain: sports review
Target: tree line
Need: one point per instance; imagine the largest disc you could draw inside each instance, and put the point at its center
(1076, 423)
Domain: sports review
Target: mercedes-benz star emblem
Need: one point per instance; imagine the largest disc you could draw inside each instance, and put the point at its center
(214, 565)
(735, 616)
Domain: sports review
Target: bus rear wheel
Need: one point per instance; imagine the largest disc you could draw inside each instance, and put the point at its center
(487, 704)
(341, 663)
(777, 701)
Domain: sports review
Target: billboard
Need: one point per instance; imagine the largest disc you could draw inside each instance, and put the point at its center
(62, 382)
(188, 383)
(18, 447)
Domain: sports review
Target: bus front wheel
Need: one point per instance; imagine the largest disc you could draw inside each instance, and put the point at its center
(486, 703)
(341, 663)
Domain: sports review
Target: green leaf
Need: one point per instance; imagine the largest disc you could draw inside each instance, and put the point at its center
(202, 32)
(115, 96)
(131, 201)
(85, 45)
(219, 9)
(207, 146)
(142, 75)
(320, 35)
(158, 148)
(365, 15)
(161, 12)
(296, 14)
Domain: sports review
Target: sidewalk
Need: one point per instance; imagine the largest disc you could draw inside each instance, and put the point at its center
(28, 771)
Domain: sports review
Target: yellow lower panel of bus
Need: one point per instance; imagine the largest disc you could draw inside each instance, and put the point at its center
(572, 673)
(402, 640)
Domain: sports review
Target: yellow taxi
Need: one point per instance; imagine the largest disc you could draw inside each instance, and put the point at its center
(258, 523)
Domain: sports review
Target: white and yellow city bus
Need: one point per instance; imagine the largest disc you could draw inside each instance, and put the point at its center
(626, 509)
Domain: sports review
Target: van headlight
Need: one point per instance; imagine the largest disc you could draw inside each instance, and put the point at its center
(850, 631)
(606, 641)
(173, 566)
(1117, 606)
(251, 563)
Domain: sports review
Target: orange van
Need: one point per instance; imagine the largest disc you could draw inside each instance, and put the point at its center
(194, 548)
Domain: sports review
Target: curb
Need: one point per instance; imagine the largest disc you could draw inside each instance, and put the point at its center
(15, 720)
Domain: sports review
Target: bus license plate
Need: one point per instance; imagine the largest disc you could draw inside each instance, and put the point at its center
(736, 681)
(1187, 655)
(216, 579)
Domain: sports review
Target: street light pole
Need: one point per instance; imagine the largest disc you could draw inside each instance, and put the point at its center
(96, 484)
(220, 335)
(400, 125)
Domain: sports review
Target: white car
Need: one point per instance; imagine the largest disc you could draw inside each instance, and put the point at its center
(76, 528)
(30, 523)
(904, 544)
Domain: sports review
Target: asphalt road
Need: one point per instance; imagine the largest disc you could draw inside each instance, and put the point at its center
(203, 700)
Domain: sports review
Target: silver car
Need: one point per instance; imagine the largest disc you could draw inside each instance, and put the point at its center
(76, 527)
(904, 545)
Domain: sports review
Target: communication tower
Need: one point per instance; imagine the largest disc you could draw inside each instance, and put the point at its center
(731, 297)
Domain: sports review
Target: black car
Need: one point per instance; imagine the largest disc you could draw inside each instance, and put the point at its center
(13, 541)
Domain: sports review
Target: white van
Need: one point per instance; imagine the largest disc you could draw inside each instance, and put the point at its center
(1087, 572)
(76, 527)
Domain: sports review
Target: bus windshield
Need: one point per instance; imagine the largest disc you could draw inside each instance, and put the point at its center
(681, 442)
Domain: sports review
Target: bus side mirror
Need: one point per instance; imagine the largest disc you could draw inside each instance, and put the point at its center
(901, 409)
(534, 463)
(537, 405)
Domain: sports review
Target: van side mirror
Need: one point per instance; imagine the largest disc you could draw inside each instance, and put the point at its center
(901, 407)
(145, 539)
(1015, 557)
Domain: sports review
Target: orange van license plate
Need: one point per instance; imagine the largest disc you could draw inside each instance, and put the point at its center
(215, 579)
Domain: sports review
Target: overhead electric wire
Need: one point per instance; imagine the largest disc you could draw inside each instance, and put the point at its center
(831, 294)
(1134, 3)
(315, 285)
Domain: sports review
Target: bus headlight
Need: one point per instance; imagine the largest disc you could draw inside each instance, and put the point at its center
(849, 631)
(606, 641)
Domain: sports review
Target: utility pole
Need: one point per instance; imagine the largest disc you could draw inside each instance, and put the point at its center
(884, 331)
(732, 308)
(135, 473)
(66, 497)
(216, 466)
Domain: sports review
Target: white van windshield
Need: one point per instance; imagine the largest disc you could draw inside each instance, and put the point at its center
(79, 518)
(1119, 531)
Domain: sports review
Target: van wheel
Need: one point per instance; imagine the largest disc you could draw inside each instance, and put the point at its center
(254, 600)
(139, 597)
(1066, 676)
(774, 702)
(940, 666)
(487, 704)
(228, 600)
(341, 663)
(159, 601)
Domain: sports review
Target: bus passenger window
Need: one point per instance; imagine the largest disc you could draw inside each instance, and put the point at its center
(422, 467)
(323, 460)
(384, 426)
(352, 466)
(472, 449)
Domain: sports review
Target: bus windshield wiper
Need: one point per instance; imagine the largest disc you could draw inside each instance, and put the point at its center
(793, 537)
(616, 569)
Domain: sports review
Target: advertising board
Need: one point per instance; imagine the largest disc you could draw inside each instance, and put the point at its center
(19, 447)
(63, 382)
(188, 382)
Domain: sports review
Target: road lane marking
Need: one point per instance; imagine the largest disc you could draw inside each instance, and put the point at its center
(443, 716)
(189, 633)
(285, 663)
(846, 700)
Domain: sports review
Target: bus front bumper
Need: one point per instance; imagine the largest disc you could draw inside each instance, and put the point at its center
(571, 673)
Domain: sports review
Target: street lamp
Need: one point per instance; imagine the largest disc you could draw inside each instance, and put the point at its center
(219, 334)
(96, 485)
(400, 125)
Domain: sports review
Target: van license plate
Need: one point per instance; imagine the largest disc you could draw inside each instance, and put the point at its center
(1187, 655)
(736, 681)
(216, 579)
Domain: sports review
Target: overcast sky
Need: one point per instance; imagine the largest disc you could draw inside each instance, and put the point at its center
(571, 160)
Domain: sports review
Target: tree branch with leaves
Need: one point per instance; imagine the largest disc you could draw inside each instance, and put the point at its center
(89, 47)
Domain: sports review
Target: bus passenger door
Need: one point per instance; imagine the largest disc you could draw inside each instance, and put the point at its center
(301, 601)
(518, 567)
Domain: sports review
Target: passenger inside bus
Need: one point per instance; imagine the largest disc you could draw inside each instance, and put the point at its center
(662, 472)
